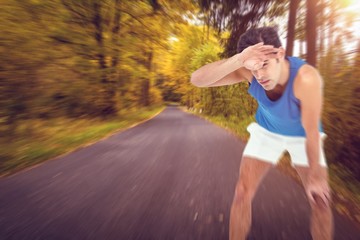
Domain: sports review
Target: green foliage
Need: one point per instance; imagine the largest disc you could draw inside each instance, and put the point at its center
(228, 101)
(82, 58)
(340, 111)
(174, 63)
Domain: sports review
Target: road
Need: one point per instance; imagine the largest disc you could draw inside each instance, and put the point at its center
(172, 177)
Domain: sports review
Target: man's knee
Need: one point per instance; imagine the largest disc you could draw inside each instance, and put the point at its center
(243, 192)
(319, 205)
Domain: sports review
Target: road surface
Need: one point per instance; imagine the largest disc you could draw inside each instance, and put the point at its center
(172, 177)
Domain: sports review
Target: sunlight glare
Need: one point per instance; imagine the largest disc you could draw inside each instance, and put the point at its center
(353, 6)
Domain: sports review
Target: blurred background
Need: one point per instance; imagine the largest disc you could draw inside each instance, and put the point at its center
(72, 71)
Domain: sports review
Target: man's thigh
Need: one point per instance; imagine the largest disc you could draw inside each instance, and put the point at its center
(251, 173)
(263, 145)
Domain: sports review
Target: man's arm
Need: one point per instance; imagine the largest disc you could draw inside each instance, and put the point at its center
(234, 69)
(309, 92)
(224, 72)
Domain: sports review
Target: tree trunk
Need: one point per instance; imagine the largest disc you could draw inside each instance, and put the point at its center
(99, 38)
(108, 107)
(115, 34)
(294, 4)
(322, 28)
(146, 83)
(311, 32)
(145, 93)
(11, 123)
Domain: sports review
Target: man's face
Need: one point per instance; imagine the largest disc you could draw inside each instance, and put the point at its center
(269, 74)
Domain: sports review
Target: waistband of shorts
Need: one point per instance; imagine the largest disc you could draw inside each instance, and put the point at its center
(256, 126)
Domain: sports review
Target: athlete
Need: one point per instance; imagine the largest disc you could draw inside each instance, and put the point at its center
(289, 96)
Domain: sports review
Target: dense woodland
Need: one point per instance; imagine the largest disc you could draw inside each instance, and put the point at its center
(97, 58)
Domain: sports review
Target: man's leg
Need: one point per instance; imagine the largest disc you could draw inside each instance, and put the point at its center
(251, 173)
(321, 223)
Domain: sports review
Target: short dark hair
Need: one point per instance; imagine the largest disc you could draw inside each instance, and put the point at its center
(267, 35)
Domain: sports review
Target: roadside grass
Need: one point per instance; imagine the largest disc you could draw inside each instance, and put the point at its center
(346, 190)
(39, 140)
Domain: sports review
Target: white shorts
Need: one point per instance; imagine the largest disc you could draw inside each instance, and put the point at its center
(270, 147)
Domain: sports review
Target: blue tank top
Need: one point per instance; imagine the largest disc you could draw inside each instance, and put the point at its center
(282, 116)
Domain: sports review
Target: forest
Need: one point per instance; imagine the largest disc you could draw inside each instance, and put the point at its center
(65, 60)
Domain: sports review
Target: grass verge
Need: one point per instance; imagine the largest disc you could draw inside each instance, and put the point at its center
(39, 140)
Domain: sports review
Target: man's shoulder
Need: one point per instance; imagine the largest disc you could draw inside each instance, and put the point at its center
(308, 78)
(307, 70)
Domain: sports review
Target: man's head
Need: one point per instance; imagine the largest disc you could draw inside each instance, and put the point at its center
(271, 71)
(267, 35)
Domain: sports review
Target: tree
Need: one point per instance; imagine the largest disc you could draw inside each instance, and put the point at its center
(82, 58)
(19, 63)
(235, 17)
(294, 4)
(311, 35)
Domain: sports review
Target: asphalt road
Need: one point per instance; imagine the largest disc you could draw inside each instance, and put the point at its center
(172, 177)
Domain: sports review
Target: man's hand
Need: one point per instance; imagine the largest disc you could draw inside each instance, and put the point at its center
(253, 57)
(317, 188)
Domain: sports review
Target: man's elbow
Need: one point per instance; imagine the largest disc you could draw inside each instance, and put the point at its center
(196, 79)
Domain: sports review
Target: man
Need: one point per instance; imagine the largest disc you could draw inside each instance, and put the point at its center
(289, 96)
